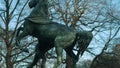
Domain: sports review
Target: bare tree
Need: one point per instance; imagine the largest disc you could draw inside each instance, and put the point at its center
(11, 16)
(77, 14)
(85, 15)
(112, 29)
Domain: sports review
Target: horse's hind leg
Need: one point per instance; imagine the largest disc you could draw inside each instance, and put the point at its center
(59, 51)
(35, 60)
(62, 42)
(43, 62)
(38, 55)
(74, 57)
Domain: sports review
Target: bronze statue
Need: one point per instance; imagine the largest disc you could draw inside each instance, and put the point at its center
(51, 34)
(40, 12)
(58, 36)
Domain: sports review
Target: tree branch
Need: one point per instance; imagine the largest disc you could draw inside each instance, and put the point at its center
(23, 58)
(18, 22)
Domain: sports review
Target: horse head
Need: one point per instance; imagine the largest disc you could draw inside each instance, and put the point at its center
(33, 3)
(83, 39)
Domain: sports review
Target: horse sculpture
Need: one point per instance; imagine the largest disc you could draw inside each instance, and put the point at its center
(40, 12)
(54, 35)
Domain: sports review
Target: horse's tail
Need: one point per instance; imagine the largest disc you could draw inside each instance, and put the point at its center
(84, 38)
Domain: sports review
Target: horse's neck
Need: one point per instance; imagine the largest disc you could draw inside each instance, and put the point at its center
(40, 9)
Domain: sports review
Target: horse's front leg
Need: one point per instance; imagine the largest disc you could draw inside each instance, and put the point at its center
(19, 37)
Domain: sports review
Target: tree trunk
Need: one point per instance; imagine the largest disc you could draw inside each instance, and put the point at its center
(9, 63)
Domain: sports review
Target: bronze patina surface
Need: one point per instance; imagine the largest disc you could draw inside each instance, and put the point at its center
(39, 13)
